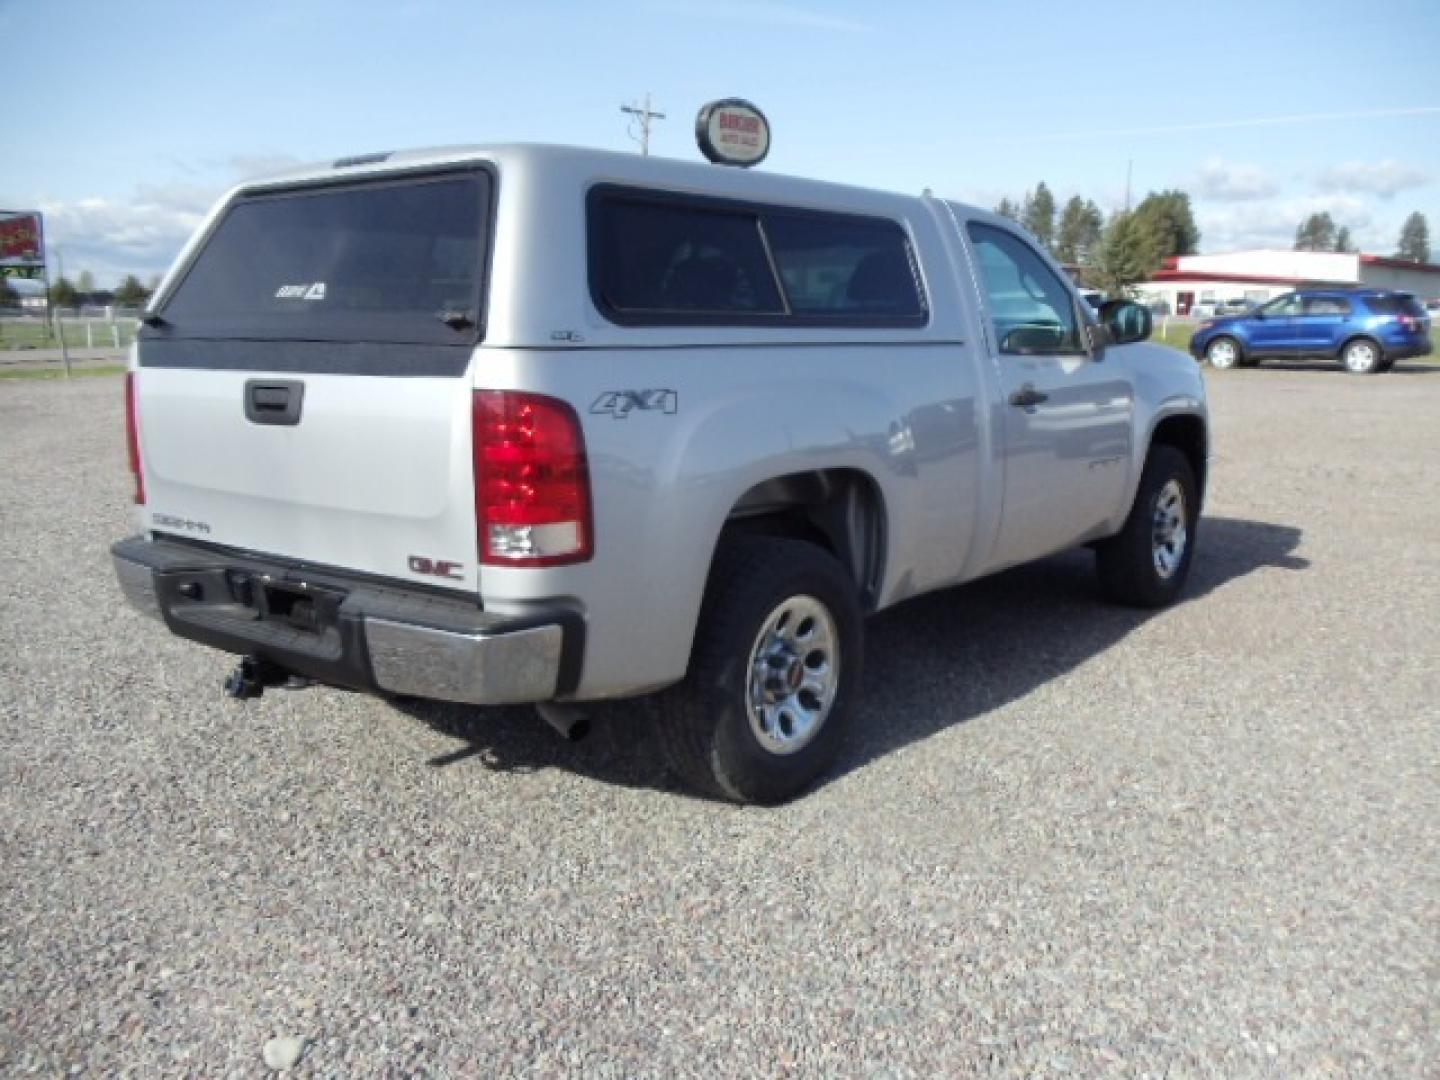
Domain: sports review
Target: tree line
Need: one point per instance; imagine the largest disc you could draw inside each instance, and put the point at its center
(1113, 254)
(1319, 232)
(64, 293)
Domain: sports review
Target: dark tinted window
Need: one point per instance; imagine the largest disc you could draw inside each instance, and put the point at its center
(1398, 304)
(1326, 305)
(1031, 308)
(364, 262)
(673, 259)
(844, 266)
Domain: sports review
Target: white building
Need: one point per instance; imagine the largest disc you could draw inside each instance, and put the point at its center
(1257, 276)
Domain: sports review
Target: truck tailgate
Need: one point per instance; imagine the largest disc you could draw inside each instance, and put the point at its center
(374, 475)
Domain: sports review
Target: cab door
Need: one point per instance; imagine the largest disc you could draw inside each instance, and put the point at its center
(1067, 412)
(1275, 327)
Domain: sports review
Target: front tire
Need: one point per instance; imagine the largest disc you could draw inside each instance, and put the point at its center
(1147, 562)
(1362, 357)
(1223, 353)
(765, 706)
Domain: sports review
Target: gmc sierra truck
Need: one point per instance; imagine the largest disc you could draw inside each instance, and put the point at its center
(538, 424)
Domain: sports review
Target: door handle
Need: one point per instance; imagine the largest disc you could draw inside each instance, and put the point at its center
(1027, 397)
(275, 401)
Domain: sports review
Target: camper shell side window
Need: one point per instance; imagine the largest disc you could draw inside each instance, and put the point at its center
(668, 259)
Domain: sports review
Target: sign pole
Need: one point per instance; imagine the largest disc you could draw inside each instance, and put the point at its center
(59, 325)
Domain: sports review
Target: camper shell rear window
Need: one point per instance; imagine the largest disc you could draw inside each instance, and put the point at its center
(667, 259)
(394, 261)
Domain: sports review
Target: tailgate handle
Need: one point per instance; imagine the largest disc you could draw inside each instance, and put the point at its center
(274, 401)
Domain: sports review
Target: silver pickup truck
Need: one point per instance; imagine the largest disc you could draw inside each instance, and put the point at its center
(536, 424)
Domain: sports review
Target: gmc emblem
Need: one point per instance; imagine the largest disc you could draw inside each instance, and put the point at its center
(436, 567)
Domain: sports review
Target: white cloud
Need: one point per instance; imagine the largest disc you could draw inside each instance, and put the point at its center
(111, 238)
(753, 11)
(1232, 182)
(1383, 178)
(1271, 223)
(143, 234)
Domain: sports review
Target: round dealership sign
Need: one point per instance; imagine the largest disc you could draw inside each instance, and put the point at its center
(733, 132)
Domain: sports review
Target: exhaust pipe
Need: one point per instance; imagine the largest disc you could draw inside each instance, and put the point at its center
(569, 720)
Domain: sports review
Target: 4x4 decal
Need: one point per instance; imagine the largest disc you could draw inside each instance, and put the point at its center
(620, 403)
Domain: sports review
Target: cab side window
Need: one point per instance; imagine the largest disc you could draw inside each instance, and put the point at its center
(1326, 305)
(1282, 307)
(1032, 310)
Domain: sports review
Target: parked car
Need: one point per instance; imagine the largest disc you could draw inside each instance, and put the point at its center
(1366, 330)
(1236, 306)
(1206, 309)
(536, 424)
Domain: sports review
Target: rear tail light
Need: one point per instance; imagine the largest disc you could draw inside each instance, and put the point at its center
(1409, 322)
(532, 481)
(132, 434)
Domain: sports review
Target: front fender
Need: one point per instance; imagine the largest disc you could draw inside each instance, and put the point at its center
(1167, 383)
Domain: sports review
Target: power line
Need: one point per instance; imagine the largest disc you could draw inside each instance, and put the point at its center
(644, 115)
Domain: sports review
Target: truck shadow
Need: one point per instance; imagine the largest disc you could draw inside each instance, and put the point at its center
(932, 663)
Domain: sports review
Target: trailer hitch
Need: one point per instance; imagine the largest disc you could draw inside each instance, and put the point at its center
(254, 675)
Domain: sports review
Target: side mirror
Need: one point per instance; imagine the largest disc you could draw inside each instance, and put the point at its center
(1127, 321)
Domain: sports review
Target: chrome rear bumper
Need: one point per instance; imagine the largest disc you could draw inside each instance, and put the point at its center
(344, 631)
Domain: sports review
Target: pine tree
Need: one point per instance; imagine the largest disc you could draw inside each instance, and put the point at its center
(1081, 226)
(1343, 241)
(131, 293)
(1008, 209)
(62, 293)
(1039, 214)
(1316, 233)
(1414, 239)
(1123, 254)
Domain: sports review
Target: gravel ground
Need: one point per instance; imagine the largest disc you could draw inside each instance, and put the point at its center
(1073, 840)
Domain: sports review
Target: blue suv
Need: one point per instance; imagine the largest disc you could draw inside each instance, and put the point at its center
(1367, 330)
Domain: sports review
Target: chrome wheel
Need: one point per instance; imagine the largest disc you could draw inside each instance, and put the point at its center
(794, 674)
(1222, 354)
(1168, 532)
(1361, 357)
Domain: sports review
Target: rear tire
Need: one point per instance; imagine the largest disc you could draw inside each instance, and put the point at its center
(1147, 562)
(1361, 356)
(765, 706)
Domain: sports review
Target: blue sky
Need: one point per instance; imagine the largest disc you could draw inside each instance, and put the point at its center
(125, 120)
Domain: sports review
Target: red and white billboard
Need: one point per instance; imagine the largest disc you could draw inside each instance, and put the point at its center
(22, 244)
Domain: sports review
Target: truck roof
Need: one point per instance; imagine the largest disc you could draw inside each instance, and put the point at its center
(582, 162)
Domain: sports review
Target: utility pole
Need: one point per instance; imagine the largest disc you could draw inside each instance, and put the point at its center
(55, 314)
(644, 115)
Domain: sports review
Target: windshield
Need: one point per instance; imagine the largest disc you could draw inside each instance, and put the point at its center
(390, 261)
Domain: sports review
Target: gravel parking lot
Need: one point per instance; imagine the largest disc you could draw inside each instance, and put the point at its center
(1072, 839)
